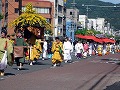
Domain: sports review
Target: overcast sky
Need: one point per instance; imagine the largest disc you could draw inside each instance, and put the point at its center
(112, 1)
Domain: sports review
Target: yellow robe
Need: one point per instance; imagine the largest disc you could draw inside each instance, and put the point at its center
(36, 50)
(99, 50)
(108, 49)
(57, 57)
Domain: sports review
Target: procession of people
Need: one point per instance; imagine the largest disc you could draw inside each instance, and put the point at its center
(19, 50)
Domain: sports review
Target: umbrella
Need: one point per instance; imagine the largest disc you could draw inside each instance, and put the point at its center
(93, 38)
(107, 40)
(98, 40)
(88, 37)
(80, 36)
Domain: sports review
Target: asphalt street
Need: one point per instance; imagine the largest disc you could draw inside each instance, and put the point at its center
(93, 73)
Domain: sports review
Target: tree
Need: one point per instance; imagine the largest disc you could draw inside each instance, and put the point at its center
(87, 32)
(83, 31)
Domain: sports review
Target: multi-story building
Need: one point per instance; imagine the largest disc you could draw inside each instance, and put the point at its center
(52, 10)
(59, 15)
(97, 24)
(100, 24)
(43, 7)
(71, 22)
(83, 19)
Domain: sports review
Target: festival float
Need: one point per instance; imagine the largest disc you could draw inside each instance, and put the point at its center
(33, 26)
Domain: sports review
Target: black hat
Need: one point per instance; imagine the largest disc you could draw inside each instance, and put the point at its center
(57, 38)
(4, 31)
(19, 31)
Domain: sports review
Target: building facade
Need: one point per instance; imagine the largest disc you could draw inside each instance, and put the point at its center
(52, 10)
(97, 24)
(83, 19)
(71, 22)
(11, 8)
(100, 24)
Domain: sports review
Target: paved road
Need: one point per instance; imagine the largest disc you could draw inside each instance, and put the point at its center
(93, 73)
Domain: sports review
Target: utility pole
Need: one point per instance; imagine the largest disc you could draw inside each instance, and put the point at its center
(73, 20)
(20, 7)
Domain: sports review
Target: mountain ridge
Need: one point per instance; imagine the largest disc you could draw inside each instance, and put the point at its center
(110, 11)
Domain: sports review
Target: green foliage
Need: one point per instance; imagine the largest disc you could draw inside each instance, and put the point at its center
(83, 31)
(87, 32)
(111, 14)
(96, 32)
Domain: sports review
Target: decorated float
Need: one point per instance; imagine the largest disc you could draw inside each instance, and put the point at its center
(33, 26)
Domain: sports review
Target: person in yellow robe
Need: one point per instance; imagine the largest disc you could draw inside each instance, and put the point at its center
(6, 51)
(100, 50)
(57, 48)
(108, 49)
(11, 38)
(35, 51)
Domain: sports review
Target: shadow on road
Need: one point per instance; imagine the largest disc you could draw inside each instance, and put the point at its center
(21, 68)
(9, 74)
(39, 63)
(115, 86)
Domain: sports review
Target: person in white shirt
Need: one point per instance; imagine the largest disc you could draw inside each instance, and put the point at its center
(79, 49)
(104, 48)
(67, 49)
(90, 48)
(44, 49)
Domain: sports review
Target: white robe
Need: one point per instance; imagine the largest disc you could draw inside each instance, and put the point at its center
(90, 48)
(45, 49)
(67, 48)
(79, 48)
(3, 62)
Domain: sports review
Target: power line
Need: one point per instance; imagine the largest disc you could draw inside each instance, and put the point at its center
(99, 6)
